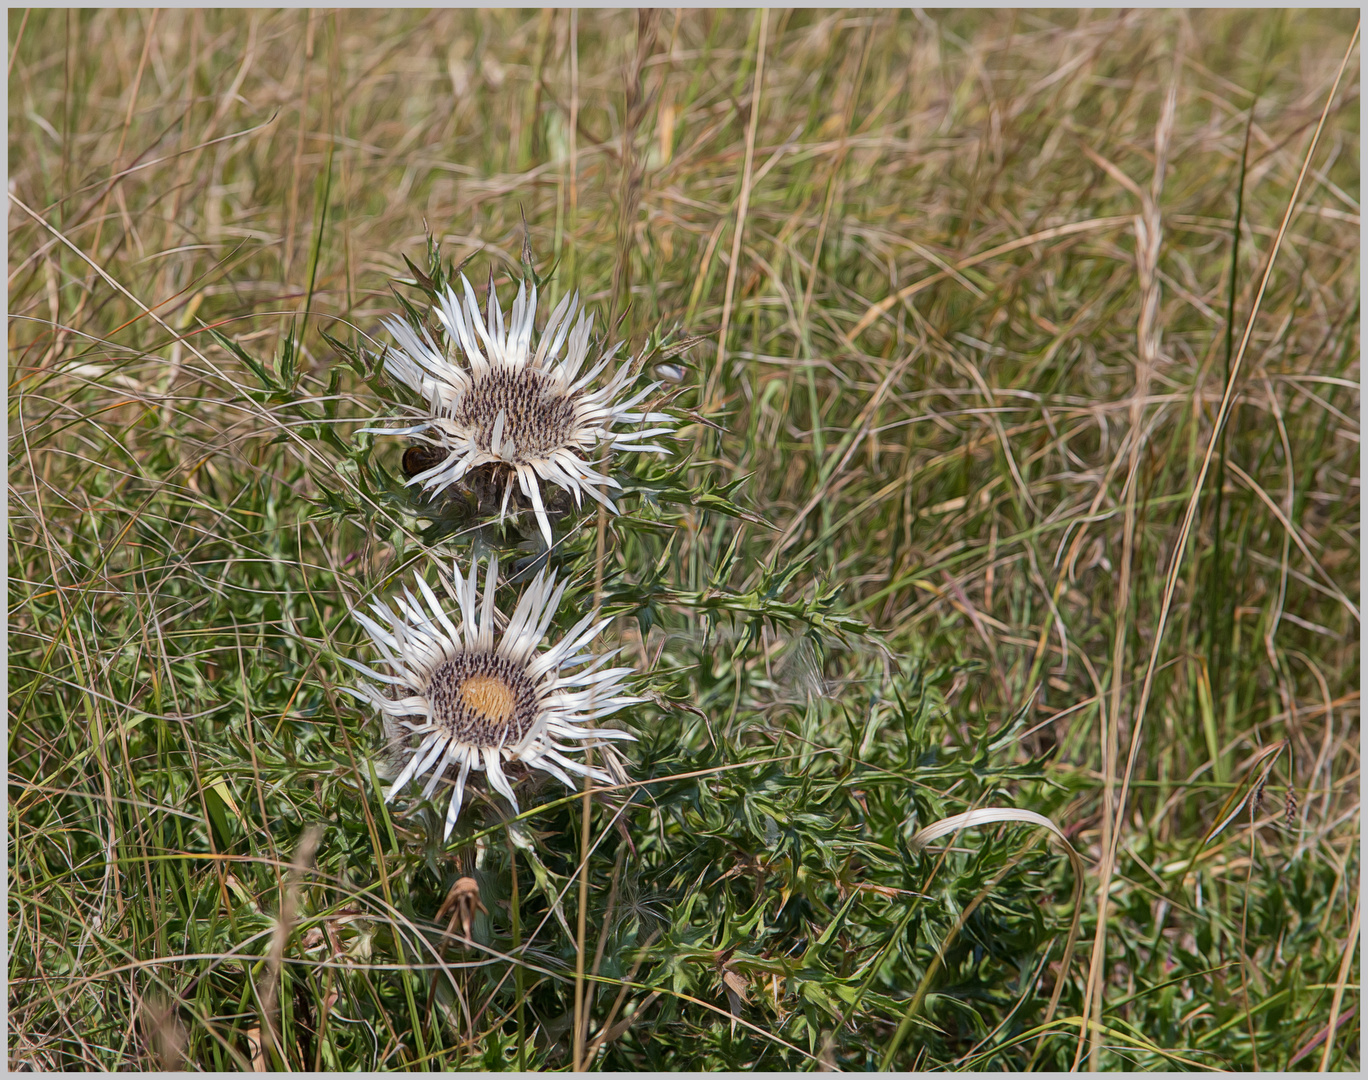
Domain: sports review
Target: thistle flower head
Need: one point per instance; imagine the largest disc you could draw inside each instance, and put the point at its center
(495, 401)
(474, 700)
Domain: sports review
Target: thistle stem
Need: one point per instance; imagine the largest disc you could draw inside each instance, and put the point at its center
(517, 950)
(580, 1020)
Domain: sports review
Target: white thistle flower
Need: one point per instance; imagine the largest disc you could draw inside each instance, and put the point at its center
(529, 414)
(477, 703)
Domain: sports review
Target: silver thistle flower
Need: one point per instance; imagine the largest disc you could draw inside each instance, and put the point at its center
(478, 703)
(529, 414)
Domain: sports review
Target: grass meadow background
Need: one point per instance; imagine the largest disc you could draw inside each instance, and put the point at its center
(971, 286)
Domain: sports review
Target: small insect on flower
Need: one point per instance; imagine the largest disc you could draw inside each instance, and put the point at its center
(477, 703)
(524, 414)
(422, 457)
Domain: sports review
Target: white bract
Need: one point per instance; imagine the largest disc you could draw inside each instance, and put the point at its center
(530, 412)
(477, 702)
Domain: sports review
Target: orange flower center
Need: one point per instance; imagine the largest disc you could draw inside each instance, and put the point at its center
(488, 697)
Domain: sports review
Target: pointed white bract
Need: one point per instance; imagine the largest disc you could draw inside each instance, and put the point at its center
(477, 702)
(537, 413)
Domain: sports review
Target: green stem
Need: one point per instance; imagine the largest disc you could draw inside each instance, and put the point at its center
(517, 949)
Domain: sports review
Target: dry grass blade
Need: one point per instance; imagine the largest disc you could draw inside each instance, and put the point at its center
(1351, 945)
(1320, 1038)
(743, 205)
(990, 815)
(1295, 534)
(257, 1049)
(1252, 788)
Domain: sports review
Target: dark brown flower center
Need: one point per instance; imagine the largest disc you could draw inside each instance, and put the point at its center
(537, 417)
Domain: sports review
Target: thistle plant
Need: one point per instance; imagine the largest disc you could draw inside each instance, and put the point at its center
(1010, 367)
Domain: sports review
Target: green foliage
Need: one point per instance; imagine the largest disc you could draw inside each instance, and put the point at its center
(877, 584)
